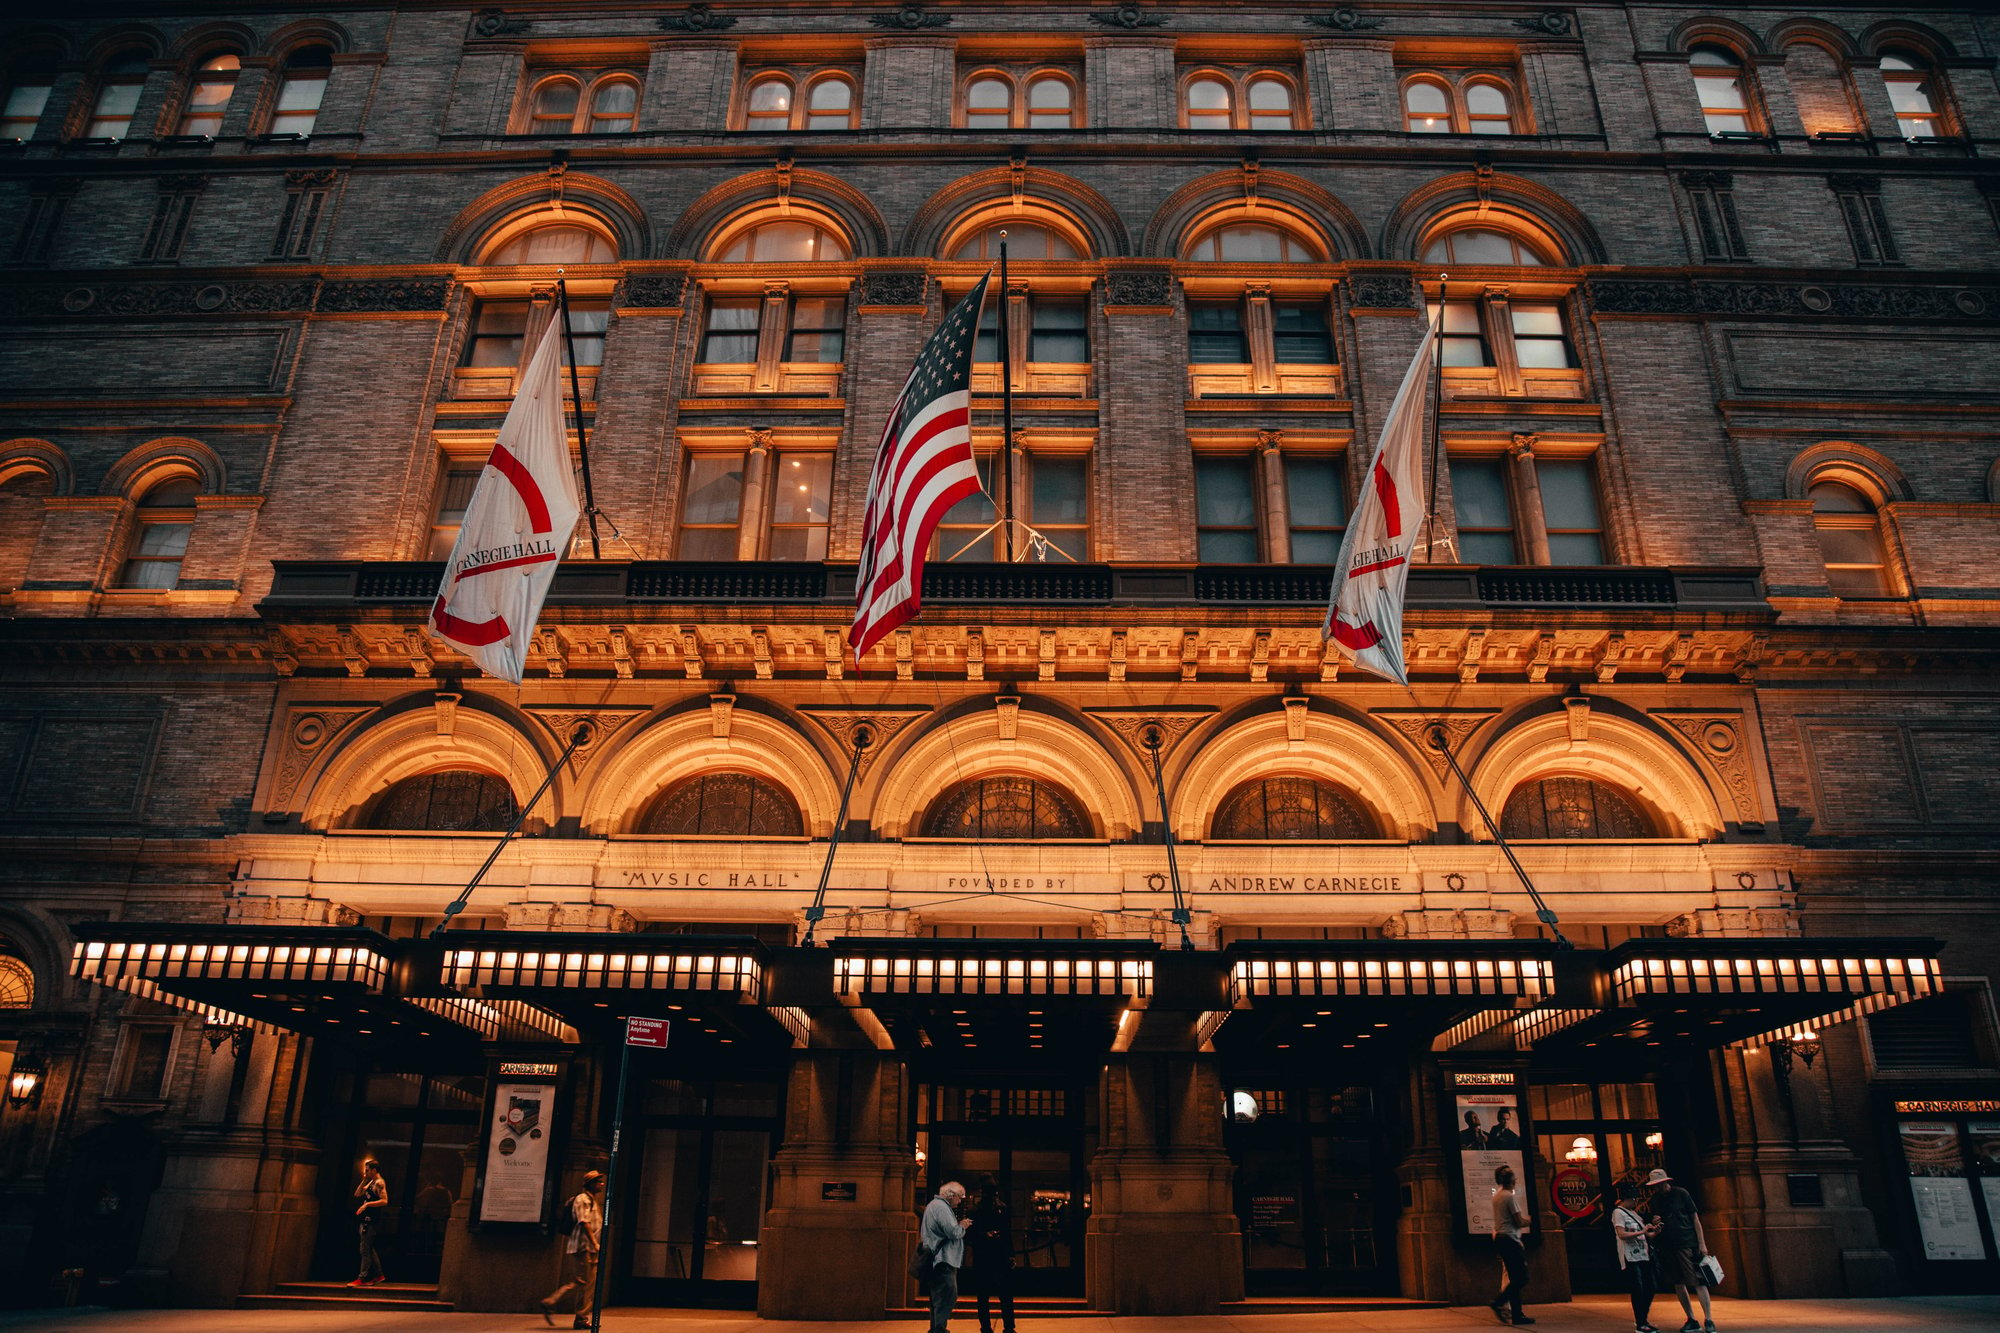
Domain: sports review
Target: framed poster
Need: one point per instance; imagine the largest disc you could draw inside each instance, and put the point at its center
(1490, 1133)
(1946, 1221)
(516, 1169)
(1984, 1138)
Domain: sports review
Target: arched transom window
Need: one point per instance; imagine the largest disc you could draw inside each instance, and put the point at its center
(724, 805)
(1252, 243)
(453, 800)
(553, 243)
(1007, 809)
(1292, 808)
(784, 241)
(1025, 240)
(17, 983)
(1573, 807)
(1482, 245)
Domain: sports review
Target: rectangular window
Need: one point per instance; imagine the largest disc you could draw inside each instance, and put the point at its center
(1484, 512)
(143, 1063)
(1316, 491)
(1860, 199)
(1539, 341)
(168, 229)
(818, 331)
(156, 556)
(23, 110)
(1226, 510)
(800, 487)
(1463, 335)
(731, 335)
(36, 239)
(1215, 334)
(1712, 197)
(1569, 507)
(1057, 331)
(1299, 334)
(306, 196)
(1059, 504)
(712, 507)
(967, 530)
(454, 494)
(499, 330)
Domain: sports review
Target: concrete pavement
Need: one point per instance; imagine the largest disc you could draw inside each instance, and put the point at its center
(1590, 1314)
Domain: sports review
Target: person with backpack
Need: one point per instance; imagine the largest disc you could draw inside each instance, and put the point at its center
(1632, 1238)
(586, 1224)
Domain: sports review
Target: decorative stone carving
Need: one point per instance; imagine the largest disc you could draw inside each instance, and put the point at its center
(1128, 17)
(1007, 715)
(562, 724)
(307, 735)
(273, 910)
(1344, 19)
(389, 294)
(1382, 291)
(840, 723)
(124, 300)
(1141, 287)
(911, 17)
(1416, 726)
(1553, 22)
(898, 287)
(660, 291)
(697, 18)
(1718, 739)
(493, 23)
(1132, 724)
(597, 918)
(1734, 922)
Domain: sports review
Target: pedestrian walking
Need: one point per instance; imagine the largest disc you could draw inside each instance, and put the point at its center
(942, 1233)
(1510, 1229)
(1632, 1236)
(991, 1242)
(586, 1225)
(371, 1196)
(1680, 1249)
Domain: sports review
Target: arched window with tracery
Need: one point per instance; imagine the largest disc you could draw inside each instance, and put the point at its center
(1298, 809)
(1573, 807)
(724, 805)
(1005, 809)
(17, 983)
(452, 800)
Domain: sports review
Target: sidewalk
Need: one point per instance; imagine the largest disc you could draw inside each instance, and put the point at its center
(1590, 1314)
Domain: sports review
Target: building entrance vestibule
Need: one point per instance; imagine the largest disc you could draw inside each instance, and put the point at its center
(1589, 1137)
(1036, 1142)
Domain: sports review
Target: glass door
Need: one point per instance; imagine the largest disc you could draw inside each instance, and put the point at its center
(1589, 1138)
(692, 1203)
(1313, 1185)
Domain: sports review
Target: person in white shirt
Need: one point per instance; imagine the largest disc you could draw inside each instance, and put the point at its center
(1632, 1237)
(1510, 1226)
(942, 1232)
(580, 1253)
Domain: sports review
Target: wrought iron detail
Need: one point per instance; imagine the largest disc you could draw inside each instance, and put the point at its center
(1572, 808)
(453, 801)
(1005, 809)
(724, 805)
(1292, 809)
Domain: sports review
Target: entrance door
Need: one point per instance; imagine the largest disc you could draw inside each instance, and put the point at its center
(1313, 1191)
(692, 1203)
(421, 1129)
(1588, 1138)
(1035, 1143)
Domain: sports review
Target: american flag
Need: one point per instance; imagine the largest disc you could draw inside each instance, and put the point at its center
(922, 468)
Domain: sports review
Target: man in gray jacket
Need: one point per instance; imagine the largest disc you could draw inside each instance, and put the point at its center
(943, 1234)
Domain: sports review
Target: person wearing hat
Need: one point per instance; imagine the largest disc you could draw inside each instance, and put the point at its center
(580, 1253)
(1680, 1248)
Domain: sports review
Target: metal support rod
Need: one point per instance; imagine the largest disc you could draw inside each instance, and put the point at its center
(1006, 413)
(576, 399)
(1151, 738)
(864, 736)
(457, 905)
(610, 1175)
(1441, 742)
(1437, 429)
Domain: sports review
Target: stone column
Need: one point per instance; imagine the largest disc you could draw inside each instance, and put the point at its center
(1530, 522)
(750, 526)
(1275, 512)
(841, 1222)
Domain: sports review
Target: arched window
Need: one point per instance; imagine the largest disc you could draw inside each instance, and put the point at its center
(27, 98)
(554, 243)
(1293, 809)
(17, 983)
(1270, 103)
(724, 805)
(1210, 104)
(769, 105)
(830, 104)
(784, 241)
(1426, 107)
(1025, 240)
(1909, 82)
(301, 90)
(1850, 540)
(160, 536)
(208, 95)
(1005, 809)
(998, 99)
(614, 107)
(1252, 243)
(1251, 99)
(989, 103)
(1482, 245)
(1718, 82)
(118, 90)
(1051, 103)
(555, 106)
(1488, 109)
(1573, 807)
(453, 800)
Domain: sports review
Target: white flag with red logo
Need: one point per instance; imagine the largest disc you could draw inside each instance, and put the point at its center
(1365, 616)
(517, 526)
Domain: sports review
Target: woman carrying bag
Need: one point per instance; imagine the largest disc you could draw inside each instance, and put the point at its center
(1632, 1237)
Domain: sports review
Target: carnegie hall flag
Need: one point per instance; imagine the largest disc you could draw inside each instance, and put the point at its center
(516, 526)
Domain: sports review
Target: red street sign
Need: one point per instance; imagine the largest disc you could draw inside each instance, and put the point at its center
(646, 1032)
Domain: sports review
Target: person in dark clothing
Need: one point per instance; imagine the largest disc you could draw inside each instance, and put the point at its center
(372, 1196)
(991, 1240)
(1679, 1249)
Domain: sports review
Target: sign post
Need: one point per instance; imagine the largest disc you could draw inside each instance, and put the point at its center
(650, 1033)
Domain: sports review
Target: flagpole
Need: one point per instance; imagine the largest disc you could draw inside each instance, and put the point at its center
(1006, 505)
(1440, 740)
(457, 905)
(1151, 738)
(864, 736)
(1437, 428)
(576, 397)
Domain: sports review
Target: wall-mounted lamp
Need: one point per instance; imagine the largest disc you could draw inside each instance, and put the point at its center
(24, 1085)
(1805, 1045)
(236, 1034)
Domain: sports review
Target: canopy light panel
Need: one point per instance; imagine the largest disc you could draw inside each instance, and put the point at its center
(112, 962)
(578, 969)
(1520, 978)
(1722, 974)
(856, 977)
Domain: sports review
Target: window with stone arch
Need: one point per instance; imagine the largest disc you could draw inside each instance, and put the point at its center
(301, 89)
(1005, 809)
(1238, 99)
(161, 527)
(723, 805)
(544, 239)
(1848, 524)
(17, 981)
(1721, 81)
(1574, 807)
(1240, 241)
(208, 93)
(1292, 809)
(451, 800)
(1020, 98)
(118, 90)
(1913, 91)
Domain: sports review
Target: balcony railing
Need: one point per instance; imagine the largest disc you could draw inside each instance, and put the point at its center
(302, 585)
